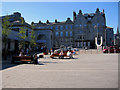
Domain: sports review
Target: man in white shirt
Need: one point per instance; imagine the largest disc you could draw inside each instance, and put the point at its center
(69, 54)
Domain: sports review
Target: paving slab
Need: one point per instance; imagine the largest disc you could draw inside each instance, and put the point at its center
(84, 71)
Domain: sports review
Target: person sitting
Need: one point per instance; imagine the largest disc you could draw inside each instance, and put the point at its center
(69, 54)
(21, 54)
(51, 51)
(61, 56)
(74, 52)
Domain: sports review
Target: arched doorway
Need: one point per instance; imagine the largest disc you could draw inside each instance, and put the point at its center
(41, 41)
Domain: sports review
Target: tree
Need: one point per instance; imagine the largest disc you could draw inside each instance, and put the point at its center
(32, 41)
(22, 33)
(5, 32)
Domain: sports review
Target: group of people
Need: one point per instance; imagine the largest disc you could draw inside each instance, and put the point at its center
(24, 51)
(69, 54)
(34, 58)
(62, 53)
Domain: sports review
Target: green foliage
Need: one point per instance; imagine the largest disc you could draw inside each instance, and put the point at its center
(5, 27)
(5, 32)
(22, 33)
(32, 41)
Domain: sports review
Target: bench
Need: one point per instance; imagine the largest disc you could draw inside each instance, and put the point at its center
(24, 59)
(21, 59)
(57, 55)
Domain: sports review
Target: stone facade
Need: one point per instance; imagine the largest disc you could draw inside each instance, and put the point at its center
(109, 39)
(117, 38)
(80, 32)
(87, 27)
(44, 37)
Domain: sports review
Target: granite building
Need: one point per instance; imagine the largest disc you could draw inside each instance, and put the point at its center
(79, 32)
(117, 38)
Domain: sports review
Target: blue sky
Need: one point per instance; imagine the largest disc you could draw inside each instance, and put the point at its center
(35, 11)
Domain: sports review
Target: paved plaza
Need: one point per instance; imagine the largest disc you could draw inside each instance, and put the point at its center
(84, 71)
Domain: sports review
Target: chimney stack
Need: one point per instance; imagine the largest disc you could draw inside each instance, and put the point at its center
(80, 11)
(97, 10)
(55, 20)
(47, 21)
(74, 16)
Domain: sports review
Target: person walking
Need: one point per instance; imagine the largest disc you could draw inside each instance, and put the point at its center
(35, 59)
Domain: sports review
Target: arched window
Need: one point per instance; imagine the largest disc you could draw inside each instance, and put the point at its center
(41, 37)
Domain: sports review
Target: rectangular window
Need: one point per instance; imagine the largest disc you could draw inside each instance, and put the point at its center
(80, 25)
(66, 26)
(57, 33)
(61, 34)
(71, 33)
(71, 26)
(66, 33)
(76, 25)
(85, 25)
(56, 27)
(98, 24)
(61, 27)
(51, 27)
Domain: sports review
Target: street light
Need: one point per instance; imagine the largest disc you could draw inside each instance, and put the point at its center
(105, 37)
(82, 37)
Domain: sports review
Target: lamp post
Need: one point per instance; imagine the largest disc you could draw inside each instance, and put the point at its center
(97, 30)
(118, 41)
(82, 37)
(105, 37)
(96, 40)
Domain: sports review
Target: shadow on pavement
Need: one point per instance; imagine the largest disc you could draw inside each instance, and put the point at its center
(64, 58)
(7, 64)
(48, 62)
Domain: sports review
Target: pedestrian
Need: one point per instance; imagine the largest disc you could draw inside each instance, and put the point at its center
(35, 59)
